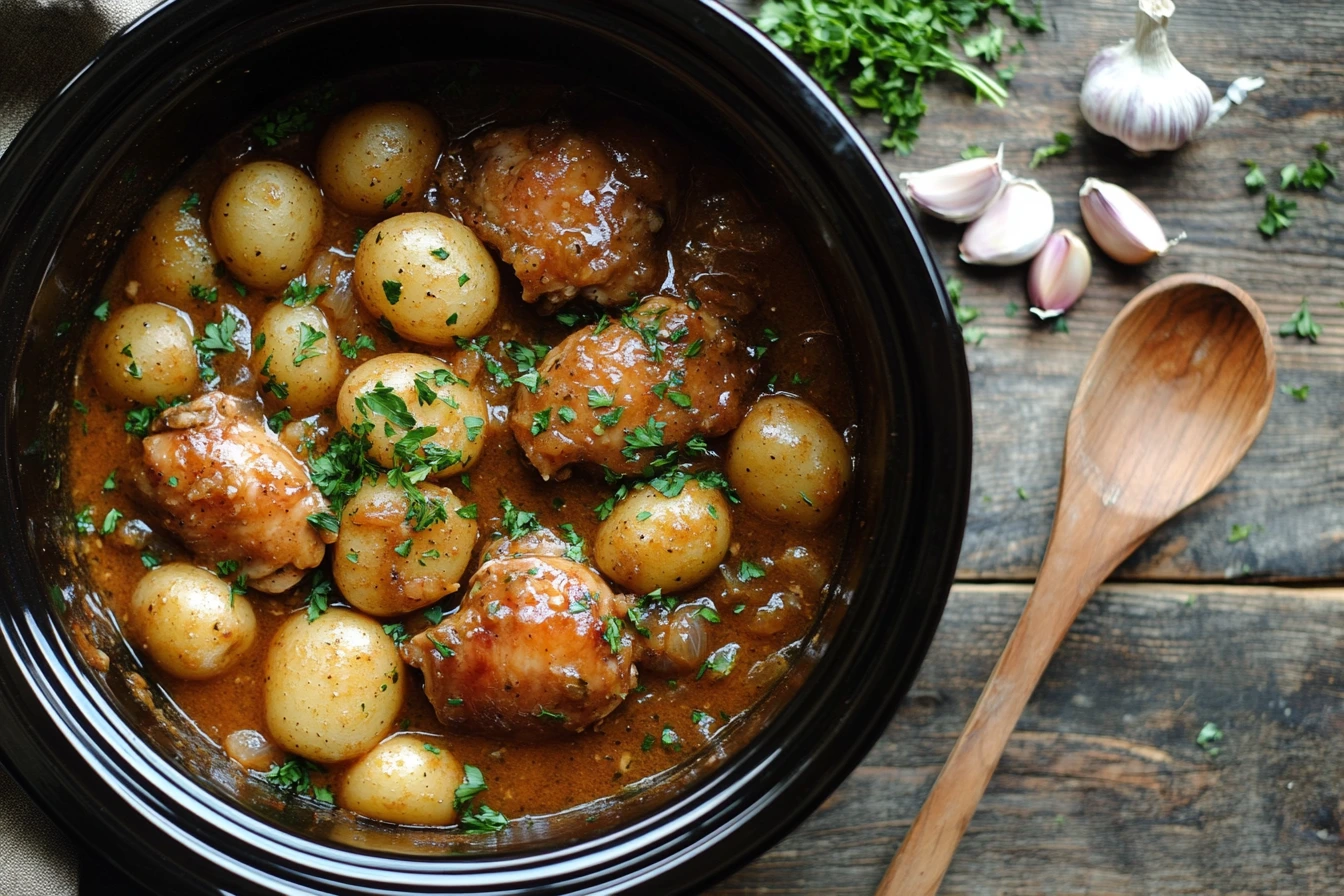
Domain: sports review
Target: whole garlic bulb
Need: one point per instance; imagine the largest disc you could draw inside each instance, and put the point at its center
(1137, 91)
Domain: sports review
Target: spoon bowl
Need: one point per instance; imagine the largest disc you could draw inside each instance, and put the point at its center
(1174, 395)
(1171, 400)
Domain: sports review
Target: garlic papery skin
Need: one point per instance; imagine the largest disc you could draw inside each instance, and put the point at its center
(958, 192)
(1137, 91)
(1124, 228)
(1058, 275)
(1013, 228)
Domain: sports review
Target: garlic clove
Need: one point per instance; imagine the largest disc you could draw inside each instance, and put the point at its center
(1058, 275)
(1139, 93)
(1124, 228)
(1013, 228)
(958, 192)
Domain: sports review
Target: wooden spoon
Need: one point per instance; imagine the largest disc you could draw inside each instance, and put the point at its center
(1173, 397)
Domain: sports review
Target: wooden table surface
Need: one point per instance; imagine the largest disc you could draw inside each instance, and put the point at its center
(1103, 789)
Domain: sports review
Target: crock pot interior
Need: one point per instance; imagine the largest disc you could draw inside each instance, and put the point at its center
(247, 70)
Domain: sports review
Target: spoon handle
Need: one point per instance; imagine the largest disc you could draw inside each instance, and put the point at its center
(1066, 581)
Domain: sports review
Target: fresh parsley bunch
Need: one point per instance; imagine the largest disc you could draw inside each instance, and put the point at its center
(883, 51)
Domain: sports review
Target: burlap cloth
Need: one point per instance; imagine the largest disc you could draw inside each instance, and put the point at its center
(42, 44)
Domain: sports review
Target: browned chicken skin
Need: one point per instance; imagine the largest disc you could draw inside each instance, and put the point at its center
(685, 369)
(230, 491)
(574, 214)
(528, 653)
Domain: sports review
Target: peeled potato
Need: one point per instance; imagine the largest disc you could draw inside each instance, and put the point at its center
(458, 414)
(296, 356)
(266, 220)
(333, 686)
(787, 462)
(379, 157)
(651, 541)
(407, 779)
(190, 622)
(144, 352)
(170, 255)
(384, 566)
(429, 276)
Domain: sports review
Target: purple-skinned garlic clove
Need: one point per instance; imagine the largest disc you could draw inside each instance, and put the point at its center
(1121, 224)
(1058, 275)
(958, 192)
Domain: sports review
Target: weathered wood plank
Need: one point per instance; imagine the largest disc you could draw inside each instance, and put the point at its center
(1103, 788)
(1024, 374)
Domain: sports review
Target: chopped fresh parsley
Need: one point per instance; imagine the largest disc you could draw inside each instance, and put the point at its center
(973, 151)
(308, 338)
(1240, 532)
(517, 522)
(319, 594)
(650, 435)
(1279, 214)
(611, 632)
(110, 521)
(749, 570)
(392, 291)
(392, 198)
(719, 662)
(396, 631)
(351, 349)
(84, 521)
(1255, 178)
(878, 56)
(1298, 392)
(325, 520)
(541, 421)
(295, 776)
(102, 310)
(439, 253)
(207, 295)
(1062, 144)
(298, 293)
(110, 482)
(444, 650)
(191, 203)
(1301, 324)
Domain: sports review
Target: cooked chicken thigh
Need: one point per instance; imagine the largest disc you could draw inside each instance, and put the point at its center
(230, 491)
(659, 375)
(536, 650)
(574, 214)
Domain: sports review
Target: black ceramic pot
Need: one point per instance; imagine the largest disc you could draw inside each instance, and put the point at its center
(131, 778)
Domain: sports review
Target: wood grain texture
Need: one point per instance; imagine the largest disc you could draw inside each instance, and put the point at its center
(1024, 374)
(1102, 789)
(1177, 390)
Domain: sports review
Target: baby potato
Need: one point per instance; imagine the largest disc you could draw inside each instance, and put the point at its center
(429, 276)
(333, 686)
(651, 541)
(458, 413)
(386, 568)
(144, 352)
(407, 779)
(190, 622)
(266, 220)
(297, 356)
(787, 461)
(170, 253)
(378, 157)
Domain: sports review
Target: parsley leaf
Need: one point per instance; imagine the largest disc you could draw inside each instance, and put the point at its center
(1063, 143)
(1279, 214)
(1301, 324)
(298, 293)
(1255, 178)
